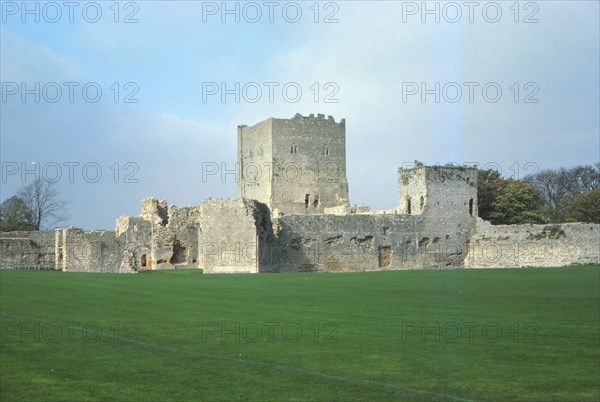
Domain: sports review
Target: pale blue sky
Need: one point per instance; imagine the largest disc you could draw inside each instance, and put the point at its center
(368, 54)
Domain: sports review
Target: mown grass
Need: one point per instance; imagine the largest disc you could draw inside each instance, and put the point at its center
(181, 335)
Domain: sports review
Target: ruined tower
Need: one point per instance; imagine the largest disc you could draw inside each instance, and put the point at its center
(296, 166)
(448, 192)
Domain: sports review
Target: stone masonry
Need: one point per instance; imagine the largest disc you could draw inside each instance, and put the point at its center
(292, 214)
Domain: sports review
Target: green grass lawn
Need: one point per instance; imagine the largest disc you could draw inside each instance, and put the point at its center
(521, 334)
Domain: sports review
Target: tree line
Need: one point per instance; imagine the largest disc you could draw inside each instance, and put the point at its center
(548, 196)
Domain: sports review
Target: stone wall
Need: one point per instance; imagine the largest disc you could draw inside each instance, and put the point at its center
(508, 246)
(79, 250)
(135, 233)
(361, 242)
(255, 161)
(238, 236)
(184, 224)
(175, 243)
(25, 250)
(452, 193)
(154, 211)
(231, 232)
(162, 237)
(412, 191)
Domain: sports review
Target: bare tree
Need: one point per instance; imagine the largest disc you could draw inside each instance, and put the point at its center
(586, 178)
(45, 208)
(561, 186)
(555, 186)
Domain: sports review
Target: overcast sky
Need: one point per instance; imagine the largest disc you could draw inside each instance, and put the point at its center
(380, 65)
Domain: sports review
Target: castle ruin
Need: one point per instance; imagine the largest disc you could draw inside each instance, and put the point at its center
(292, 214)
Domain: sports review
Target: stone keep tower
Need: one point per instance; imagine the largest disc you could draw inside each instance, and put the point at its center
(445, 192)
(297, 166)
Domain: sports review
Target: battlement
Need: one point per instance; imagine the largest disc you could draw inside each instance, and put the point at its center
(438, 174)
(319, 118)
(298, 118)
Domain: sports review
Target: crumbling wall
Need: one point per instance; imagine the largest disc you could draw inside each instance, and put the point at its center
(175, 243)
(88, 251)
(135, 234)
(184, 224)
(231, 232)
(508, 246)
(154, 211)
(24, 249)
(162, 237)
(361, 242)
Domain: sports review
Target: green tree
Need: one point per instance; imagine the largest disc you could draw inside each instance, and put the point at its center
(14, 215)
(586, 207)
(517, 202)
(488, 184)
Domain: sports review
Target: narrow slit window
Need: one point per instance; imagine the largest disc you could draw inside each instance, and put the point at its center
(316, 201)
(471, 207)
(306, 200)
(408, 209)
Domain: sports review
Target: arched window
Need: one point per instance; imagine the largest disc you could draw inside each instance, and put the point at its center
(143, 261)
